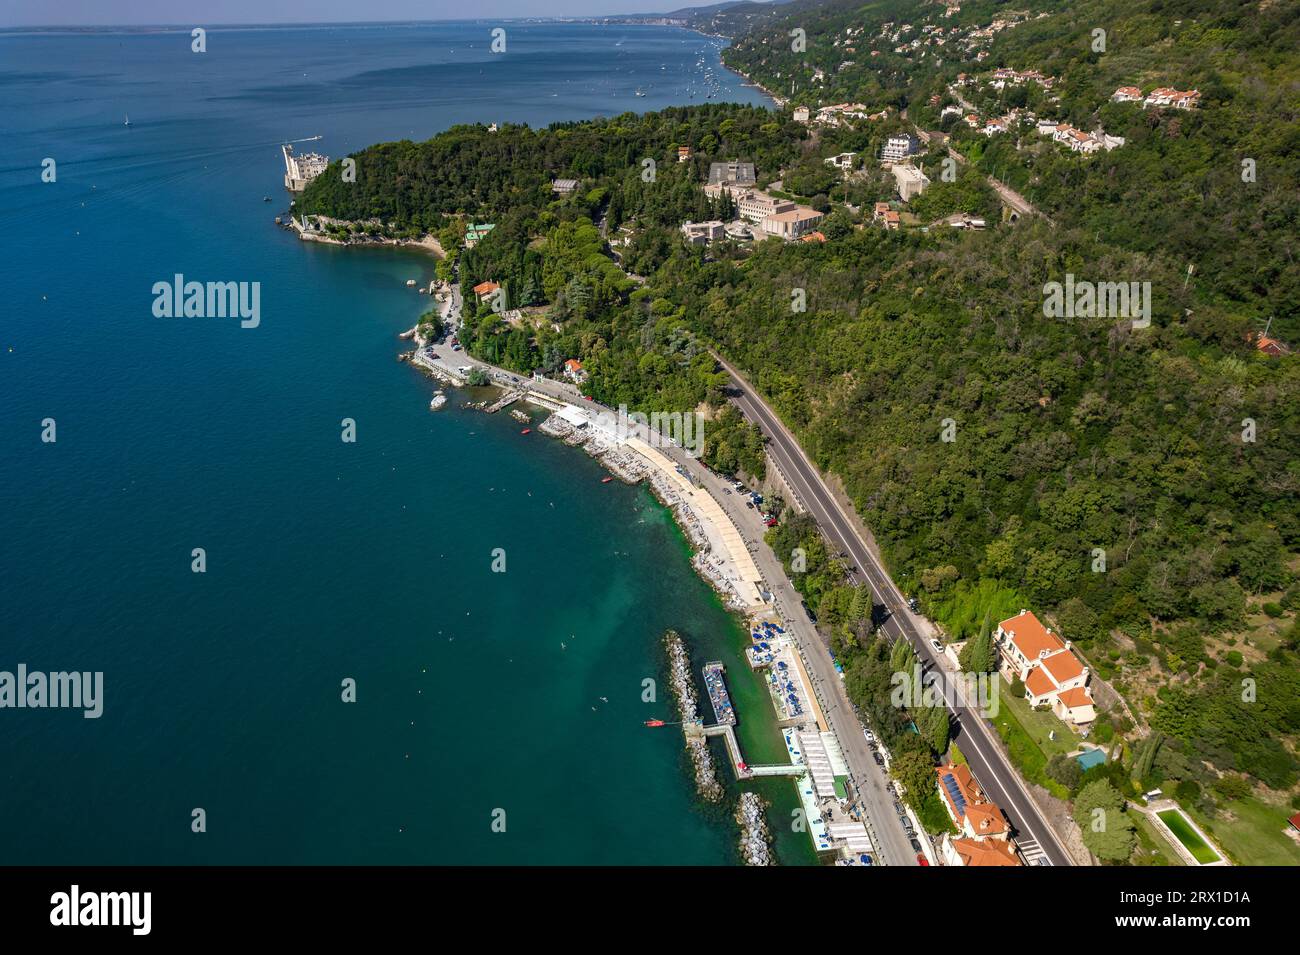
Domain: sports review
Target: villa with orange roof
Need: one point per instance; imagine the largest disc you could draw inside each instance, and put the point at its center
(1052, 674)
(984, 836)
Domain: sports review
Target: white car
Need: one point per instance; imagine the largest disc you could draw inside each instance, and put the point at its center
(938, 647)
(870, 736)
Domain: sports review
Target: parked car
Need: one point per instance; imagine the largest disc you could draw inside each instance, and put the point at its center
(771, 522)
(916, 846)
(938, 647)
(871, 737)
(913, 605)
(878, 758)
(750, 505)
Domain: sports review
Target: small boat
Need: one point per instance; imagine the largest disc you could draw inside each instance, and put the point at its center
(654, 723)
(126, 121)
(266, 198)
(526, 431)
(410, 283)
(606, 480)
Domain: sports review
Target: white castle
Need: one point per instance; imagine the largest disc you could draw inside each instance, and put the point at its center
(300, 170)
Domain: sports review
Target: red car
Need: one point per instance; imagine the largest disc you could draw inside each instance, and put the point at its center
(921, 860)
(771, 522)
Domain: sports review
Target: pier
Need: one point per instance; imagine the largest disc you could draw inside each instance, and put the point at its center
(718, 696)
(738, 765)
(505, 401)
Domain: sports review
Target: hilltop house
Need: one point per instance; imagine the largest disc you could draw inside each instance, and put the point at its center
(801, 114)
(485, 290)
(683, 153)
(1048, 668)
(844, 161)
(1126, 94)
(564, 187)
(1167, 96)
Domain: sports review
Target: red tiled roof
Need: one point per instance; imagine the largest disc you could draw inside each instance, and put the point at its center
(986, 819)
(1030, 636)
(1039, 683)
(988, 852)
(1079, 696)
(484, 287)
(1063, 666)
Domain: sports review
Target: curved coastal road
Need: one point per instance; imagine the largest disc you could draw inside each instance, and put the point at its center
(999, 780)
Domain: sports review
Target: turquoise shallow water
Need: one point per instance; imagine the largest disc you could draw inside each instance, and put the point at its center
(325, 560)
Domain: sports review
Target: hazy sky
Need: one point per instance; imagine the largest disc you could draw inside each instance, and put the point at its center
(204, 12)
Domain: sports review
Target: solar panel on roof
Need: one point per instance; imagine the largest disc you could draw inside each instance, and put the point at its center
(958, 800)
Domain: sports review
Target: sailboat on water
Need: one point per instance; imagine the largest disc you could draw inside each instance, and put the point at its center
(126, 120)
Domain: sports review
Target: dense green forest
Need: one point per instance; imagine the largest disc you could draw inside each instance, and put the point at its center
(1135, 486)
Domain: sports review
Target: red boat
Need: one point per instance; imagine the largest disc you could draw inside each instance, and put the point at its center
(606, 480)
(654, 722)
(526, 431)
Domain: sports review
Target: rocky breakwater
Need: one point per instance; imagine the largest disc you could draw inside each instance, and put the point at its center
(697, 747)
(755, 840)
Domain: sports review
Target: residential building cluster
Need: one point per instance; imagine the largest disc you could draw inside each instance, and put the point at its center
(782, 218)
(1077, 140)
(1003, 76)
(1160, 96)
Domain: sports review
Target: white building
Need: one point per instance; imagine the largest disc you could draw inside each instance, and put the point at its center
(702, 233)
(910, 181)
(300, 170)
(790, 224)
(898, 148)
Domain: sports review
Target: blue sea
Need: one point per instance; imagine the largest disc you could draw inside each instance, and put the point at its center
(480, 696)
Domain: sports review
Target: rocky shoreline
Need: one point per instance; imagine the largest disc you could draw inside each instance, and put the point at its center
(697, 747)
(425, 242)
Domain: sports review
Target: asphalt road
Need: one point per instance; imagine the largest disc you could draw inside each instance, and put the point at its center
(972, 732)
